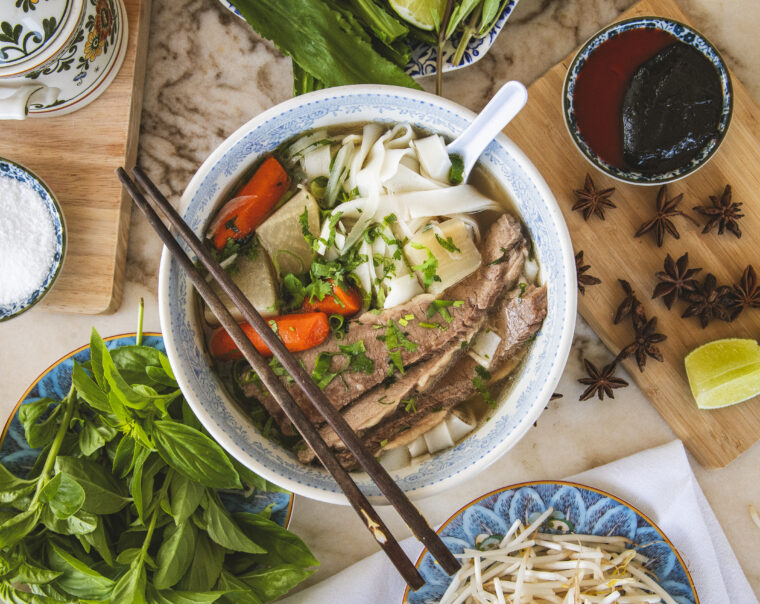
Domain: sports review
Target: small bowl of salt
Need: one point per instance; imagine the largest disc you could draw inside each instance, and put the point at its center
(32, 239)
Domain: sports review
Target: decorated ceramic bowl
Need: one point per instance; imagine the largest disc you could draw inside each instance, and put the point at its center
(18, 172)
(587, 510)
(680, 32)
(55, 382)
(532, 198)
(423, 61)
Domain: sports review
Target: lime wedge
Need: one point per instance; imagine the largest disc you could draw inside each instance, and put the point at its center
(425, 14)
(724, 372)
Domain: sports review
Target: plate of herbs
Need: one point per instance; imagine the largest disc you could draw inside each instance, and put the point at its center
(110, 490)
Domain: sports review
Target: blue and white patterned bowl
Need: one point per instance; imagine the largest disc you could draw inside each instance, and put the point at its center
(55, 382)
(353, 104)
(681, 32)
(589, 510)
(11, 169)
(423, 61)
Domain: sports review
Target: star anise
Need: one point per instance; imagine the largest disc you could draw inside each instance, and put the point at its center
(590, 201)
(644, 344)
(629, 305)
(584, 280)
(708, 301)
(600, 382)
(745, 294)
(722, 213)
(676, 280)
(666, 209)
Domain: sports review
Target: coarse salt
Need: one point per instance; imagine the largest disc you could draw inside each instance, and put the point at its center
(27, 241)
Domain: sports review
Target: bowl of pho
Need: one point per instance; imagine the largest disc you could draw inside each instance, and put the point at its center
(436, 314)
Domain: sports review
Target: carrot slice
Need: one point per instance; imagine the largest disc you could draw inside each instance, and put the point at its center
(341, 301)
(241, 215)
(298, 332)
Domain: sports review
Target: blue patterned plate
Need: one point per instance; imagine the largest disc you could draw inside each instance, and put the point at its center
(55, 383)
(18, 172)
(423, 61)
(589, 510)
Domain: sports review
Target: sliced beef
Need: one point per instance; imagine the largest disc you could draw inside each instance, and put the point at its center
(516, 323)
(502, 252)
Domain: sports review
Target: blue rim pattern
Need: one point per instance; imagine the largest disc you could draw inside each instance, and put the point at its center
(423, 59)
(18, 172)
(589, 510)
(682, 33)
(541, 369)
(19, 458)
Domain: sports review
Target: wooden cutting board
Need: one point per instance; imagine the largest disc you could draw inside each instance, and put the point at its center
(715, 437)
(76, 155)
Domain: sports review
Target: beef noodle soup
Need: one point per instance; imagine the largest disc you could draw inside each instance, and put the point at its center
(409, 296)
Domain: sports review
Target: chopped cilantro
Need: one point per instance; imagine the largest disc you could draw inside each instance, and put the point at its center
(279, 370)
(383, 442)
(500, 259)
(395, 341)
(479, 381)
(357, 357)
(523, 287)
(410, 405)
(447, 244)
(428, 268)
(456, 172)
(357, 361)
(441, 307)
(321, 374)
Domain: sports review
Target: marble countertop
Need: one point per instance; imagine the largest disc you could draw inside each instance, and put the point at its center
(208, 73)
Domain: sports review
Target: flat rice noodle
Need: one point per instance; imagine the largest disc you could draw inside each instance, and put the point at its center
(434, 159)
(370, 134)
(317, 162)
(406, 180)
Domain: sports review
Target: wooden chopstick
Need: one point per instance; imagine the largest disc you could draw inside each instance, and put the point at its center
(388, 487)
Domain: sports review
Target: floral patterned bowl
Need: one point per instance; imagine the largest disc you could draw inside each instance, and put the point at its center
(55, 383)
(423, 61)
(588, 511)
(543, 365)
(9, 169)
(680, 32)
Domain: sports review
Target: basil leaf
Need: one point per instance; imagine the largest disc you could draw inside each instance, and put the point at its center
(39, 434)
(99, 540)
(78, 577)
(169, 596)
(194, 455)
(29, 574)
(103, 493)
(124, 457)
(185, 496)
(164, 362)
(19, 526)
(131, 587)
(97, 350)
(206, 566)
(225, 531)
(135, 485)
(13, 488)
(270, 583)
(90, 439)
(283, 547)
(132, 362)
(63, 494)
(159, 376)
(89, 390)
(175, 554)
(8, 593)
(243, 594)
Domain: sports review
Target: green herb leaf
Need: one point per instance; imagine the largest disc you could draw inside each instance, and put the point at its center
(225, 531)
(243, 594)
(78, 577)
(39, 433)
(29, 574)
(19, 526)
(185, 496)
(321, 373)
(89, 390)
(63, 494)
(131, 586)
(429, 269)
(195, 455)
(501, 259)
(13, 488)
(480, 383)
(170, 596)
(103, 492)
(283, 547)
(395, 341)
(357, 357)
(175, 554)
(206, 566)
(456, 172)
(270, 583)
(99, 540)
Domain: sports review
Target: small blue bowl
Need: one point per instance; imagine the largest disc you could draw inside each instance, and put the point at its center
(588, 511)
(680, 32)
(11, 169)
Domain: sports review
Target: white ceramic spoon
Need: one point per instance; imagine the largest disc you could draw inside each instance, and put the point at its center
(499, 111)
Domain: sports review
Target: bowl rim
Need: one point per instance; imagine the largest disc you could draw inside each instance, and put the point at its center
(57, 215)
(568, 268)
(631, 176)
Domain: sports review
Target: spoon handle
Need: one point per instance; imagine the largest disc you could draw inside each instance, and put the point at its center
(499, 111)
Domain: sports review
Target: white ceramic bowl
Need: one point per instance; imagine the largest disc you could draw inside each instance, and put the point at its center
(543, 365)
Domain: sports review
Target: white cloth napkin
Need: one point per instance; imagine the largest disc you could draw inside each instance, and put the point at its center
(658, 481)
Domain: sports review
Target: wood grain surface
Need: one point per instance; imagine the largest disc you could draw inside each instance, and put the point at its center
(76, 155)
(715, 437)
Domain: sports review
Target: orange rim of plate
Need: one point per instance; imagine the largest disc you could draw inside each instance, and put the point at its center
(288, 515)
(530, 483)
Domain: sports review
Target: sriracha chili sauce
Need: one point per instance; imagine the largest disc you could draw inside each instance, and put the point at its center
(601, 84)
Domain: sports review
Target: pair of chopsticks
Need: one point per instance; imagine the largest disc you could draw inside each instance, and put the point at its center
(308, 431)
